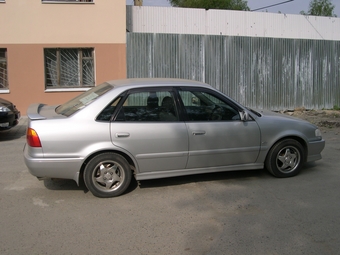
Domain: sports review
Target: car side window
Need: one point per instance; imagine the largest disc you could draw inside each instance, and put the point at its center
(108, 111)
(205, 106)
(152, 105)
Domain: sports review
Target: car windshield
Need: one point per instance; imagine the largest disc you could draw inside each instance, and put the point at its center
(83, 100)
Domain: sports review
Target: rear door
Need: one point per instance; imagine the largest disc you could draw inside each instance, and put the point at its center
(217, 135)
(147, 126)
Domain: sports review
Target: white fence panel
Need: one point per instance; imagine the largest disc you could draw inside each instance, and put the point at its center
(170, 20)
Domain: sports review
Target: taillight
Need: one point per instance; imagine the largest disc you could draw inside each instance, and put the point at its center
(32, 138)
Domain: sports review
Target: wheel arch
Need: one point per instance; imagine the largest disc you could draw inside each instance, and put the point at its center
(128, 158)
(293, 137)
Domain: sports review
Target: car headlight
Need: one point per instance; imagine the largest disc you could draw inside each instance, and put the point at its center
(4, 109)
(318, 133)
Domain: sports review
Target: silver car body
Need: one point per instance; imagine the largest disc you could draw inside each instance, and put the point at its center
(160, 149)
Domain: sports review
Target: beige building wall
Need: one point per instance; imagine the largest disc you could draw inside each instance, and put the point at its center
(30, 26)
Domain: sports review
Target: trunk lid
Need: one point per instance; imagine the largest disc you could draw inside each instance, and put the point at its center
(43, 111)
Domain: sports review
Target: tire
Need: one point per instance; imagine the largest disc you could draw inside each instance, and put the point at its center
(107, 175)
(285, 158)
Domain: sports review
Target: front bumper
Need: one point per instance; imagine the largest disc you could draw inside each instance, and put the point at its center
(314, 150)
(9, 120)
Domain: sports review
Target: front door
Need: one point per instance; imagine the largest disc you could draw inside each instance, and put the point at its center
(217, 135)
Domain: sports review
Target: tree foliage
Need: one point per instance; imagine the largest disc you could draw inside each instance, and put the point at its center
(320, 8)
(240, 5)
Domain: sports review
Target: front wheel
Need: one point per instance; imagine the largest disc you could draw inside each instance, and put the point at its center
(285, 158)
(107, 175)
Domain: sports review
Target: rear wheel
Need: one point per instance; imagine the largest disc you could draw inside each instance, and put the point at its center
(285, 158)
(107, 175)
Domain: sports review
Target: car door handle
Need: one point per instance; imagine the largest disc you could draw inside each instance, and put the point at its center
(200, 132)
(120, 135)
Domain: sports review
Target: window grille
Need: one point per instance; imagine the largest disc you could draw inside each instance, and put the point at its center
(3, 69)
(69, 67)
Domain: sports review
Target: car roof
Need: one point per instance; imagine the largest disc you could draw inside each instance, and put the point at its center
(162, 82)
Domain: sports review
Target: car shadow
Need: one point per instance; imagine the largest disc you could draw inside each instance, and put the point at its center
(310, 167)
(240, 176)
(64, 184)
(207, 177)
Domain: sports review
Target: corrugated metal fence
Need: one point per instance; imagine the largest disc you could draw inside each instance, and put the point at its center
(270, 73)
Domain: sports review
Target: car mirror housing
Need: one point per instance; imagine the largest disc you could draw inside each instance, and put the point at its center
(244, 115)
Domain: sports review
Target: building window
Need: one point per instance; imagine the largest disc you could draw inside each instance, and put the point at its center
(67, 1)
(69, 68)
(3, 69)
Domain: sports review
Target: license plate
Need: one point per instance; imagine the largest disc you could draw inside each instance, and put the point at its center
(6, 124)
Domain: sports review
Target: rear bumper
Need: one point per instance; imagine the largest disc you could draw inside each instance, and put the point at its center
(61, 168)
(314, 150)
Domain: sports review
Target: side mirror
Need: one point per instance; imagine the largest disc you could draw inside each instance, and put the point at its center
(244, 115)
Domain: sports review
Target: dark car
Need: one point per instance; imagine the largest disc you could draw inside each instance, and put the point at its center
(9, 115)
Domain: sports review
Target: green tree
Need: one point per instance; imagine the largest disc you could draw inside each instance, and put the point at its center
(240, 5)
(320, 8)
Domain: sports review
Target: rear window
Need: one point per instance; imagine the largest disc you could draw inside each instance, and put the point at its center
(83, 100)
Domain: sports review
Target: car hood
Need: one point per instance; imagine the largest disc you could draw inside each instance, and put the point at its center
(5, 102)
(271, 114)
(267, 116)
(8, 104)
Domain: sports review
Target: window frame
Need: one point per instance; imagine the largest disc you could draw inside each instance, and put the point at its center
(219, 96)
(179, 105)
(5, 76)
(125, 95)
(80, 66)
(67, 1)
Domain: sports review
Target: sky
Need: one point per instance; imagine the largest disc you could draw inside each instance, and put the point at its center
(293, 7)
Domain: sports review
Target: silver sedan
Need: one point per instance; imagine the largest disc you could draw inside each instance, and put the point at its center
(157, 128)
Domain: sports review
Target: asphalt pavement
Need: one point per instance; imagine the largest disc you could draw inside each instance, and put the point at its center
(245, 212)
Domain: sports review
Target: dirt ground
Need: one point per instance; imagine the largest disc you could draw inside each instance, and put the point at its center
(326, 120)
